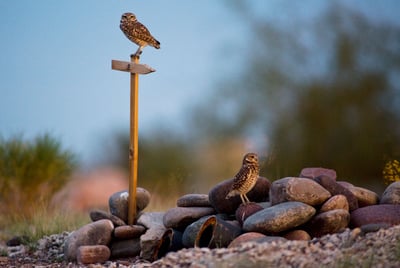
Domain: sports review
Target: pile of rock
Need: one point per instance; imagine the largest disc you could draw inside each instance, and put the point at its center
(293, 208)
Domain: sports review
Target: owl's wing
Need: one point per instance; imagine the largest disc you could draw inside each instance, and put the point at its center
(142, 33)
(242, 174)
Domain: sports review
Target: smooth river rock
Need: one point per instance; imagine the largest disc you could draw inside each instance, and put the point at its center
(297, 235)
(279, 218)
(94, 233)
(298, 189)
(328, 222)
(385, 213)
(180, 217)
(313, 172)
(246, 237)
(364, 196)
(98, 214)
(335, 202)
(93, 254)
(193, 200)
(128, 231)
(391, 195)
(118, 202)
(336, 188)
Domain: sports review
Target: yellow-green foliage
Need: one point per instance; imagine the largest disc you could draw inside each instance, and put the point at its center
(43, 222)
(30, 172)
(391, 171)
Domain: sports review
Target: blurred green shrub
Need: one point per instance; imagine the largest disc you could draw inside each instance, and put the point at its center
(30, 172)
(391, 171)
(165, 160)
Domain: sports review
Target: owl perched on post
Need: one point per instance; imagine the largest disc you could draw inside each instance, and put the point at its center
(137, 32)
(246, 178)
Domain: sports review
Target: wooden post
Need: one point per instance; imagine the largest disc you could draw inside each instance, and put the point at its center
(133, 145)
(135, 69)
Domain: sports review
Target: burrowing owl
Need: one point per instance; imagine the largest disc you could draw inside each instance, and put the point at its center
(246, 178)
(137, 32)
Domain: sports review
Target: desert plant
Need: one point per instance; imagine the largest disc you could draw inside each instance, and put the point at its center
(44, 222)
(31, 171)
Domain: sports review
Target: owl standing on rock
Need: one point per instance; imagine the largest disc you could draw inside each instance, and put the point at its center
(137, 32)
(246, 178)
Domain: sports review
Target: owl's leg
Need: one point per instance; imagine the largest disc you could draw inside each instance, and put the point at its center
(241, 197)
(138, 51)
(247, 199)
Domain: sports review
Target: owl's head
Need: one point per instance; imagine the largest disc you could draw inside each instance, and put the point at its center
(128, 17)
(250, 158)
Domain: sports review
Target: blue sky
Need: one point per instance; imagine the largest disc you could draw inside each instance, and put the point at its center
(55, 68)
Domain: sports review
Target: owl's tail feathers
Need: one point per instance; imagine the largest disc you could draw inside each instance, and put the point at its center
(156, 44)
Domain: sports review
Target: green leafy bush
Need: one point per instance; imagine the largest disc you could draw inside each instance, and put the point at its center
(30, 172)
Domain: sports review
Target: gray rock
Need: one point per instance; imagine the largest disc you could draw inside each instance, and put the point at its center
(191, 232)
(193, 200)
(125, 248)
(265, 204)
(176, 241)
(151, 219)
(391, 195)
(98, 214)
(128, 231)
(373, 227)
(313, 172)
(298, 189)
(118, 202)
(217, 195)
(95, 233)
(180, 217)
(336, 188)
(385, 213)
(329, 222)
(335, 202)
(279, 218)
(255, 238)
(155, 236)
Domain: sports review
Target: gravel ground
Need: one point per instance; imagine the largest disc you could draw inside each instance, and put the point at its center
(351, 248)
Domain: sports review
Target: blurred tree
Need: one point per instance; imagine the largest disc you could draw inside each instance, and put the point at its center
(165, 160)
(30, 173)
(322, 93)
